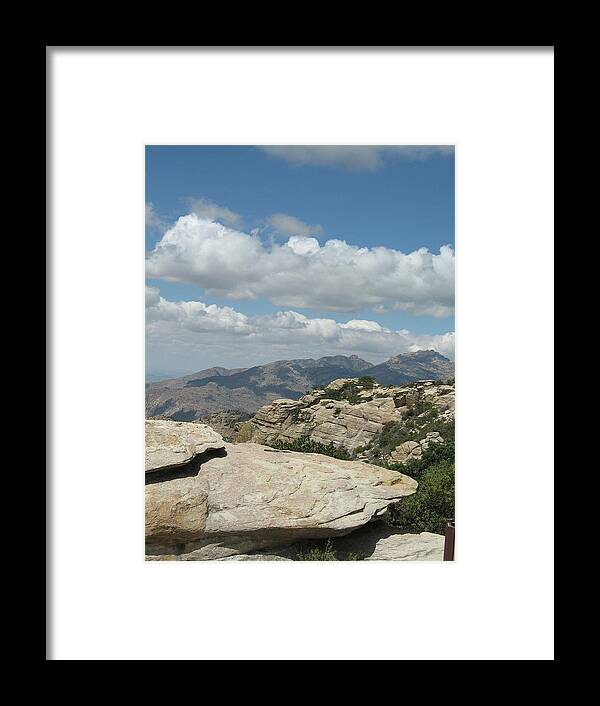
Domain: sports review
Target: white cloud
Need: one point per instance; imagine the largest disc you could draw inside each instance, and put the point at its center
(206, 209)
(303, 246)
(181, 334)
(153, 220)
(301, 273)
(357, 158)
(192, 316)
(152, 296)
(292, 226)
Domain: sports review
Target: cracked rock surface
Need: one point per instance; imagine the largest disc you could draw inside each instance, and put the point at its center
(254, 497)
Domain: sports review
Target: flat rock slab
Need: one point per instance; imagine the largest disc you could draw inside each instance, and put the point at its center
(377, 542)
(173, 444)
(373, 542)
(256, 497)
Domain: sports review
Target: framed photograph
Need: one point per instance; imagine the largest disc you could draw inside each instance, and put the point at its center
(292, 291)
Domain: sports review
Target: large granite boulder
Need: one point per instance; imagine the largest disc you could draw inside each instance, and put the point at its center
(254, 497)
(174, 444)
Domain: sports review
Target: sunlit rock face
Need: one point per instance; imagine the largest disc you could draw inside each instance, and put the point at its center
(247, 497)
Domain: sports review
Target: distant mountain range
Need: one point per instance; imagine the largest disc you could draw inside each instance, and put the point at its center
(421, 365)
(195, 396)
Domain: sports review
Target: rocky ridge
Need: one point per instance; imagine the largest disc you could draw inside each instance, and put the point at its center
(367, 420)
(193, 397)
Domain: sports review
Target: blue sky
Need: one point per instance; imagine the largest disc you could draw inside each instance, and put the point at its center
(369, 198)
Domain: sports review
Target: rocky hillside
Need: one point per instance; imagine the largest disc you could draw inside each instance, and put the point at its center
(206, 499)
(193, 397)
(227, 423)
(359, 418)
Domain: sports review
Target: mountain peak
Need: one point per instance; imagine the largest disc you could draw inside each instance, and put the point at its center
(247, 389)
(418, 365)
(351, 362)
(427, 354)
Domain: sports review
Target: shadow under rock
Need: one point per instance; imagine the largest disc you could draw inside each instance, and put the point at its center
(364, 540)
(192, 468)
(361, 543)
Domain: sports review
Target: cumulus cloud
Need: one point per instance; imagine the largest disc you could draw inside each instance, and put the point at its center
(292, 226)
(153, 220)
(357, 158)
(194, 329)
(152, 296)
(192, 316)
(203, 208)
(302, 273)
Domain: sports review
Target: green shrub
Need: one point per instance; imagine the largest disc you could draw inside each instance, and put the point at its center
(348, 392)
(433, 503)
(432, 455)
(352, 397)
(331, 395)
(318, 553)
(306, 445)
(449, 381)
(421, 426)
(367, 382)
(393, 434)
(296, 414)
(325, 551)
(419, 407)
(244, 433)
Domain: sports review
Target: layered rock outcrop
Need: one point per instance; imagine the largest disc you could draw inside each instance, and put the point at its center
(352, 415)
(238, 498)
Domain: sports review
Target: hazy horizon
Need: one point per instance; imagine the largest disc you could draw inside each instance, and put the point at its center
(157, 375)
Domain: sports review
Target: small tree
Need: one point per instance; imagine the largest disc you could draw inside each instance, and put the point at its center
(367, 382)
